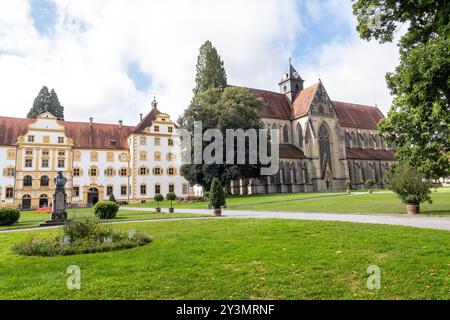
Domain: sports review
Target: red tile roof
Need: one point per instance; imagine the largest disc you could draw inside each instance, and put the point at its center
(357, 116)
(353, 115)
(370, 154)
(289, 151)
(11, 129)
(147, 121)
(303, 100)
(278, 106)
(97, 135)
(83, 134)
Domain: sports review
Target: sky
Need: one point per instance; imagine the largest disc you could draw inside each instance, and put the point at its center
(107, 59)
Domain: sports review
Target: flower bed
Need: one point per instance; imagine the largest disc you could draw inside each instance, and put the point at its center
(78, 237)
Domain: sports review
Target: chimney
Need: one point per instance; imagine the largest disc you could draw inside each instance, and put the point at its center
(142, 116)
(120, 122)
(91, 120)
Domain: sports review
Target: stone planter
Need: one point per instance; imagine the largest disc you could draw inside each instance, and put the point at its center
(217, 212)
(412, 208)
(171, 210)
(158, 210)
(370, 190)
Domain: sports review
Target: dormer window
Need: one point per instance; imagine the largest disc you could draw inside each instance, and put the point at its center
(156, 128)
(112, 142)
(30, 138)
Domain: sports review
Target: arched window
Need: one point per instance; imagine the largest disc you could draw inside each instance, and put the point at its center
(27, 181)
(300, 135)
(45, 181)
(285, 134)
(354, 141)
(324, 149)
(348, 138)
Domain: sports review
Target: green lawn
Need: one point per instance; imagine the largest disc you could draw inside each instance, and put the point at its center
(359, 203)
(381, 201)
(243, 201)
(242, 259)
(32, 218)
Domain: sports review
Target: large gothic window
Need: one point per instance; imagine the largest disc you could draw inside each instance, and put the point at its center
(300, 135)
(285, 134)
(324, 149)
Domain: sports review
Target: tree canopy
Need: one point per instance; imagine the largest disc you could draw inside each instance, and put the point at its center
(419, 120)
(210, 70)
(46, 102)
(218, 107)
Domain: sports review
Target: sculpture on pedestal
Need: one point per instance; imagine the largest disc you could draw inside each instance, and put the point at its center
(59, 213)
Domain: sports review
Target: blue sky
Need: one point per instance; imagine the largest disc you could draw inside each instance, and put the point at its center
(120, 53)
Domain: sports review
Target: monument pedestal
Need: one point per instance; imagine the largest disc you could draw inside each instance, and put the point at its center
(59, 213)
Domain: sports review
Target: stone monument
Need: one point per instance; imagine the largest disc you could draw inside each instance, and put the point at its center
(59, 213)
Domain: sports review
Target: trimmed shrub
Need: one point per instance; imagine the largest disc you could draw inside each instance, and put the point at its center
(106, 210)
(369, 183)
(409, 185)
(217, 195)
(158, 198)
(171, 197)
(9, 216)
(348, 184)
(112, 198)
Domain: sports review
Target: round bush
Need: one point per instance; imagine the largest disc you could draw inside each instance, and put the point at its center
(8, 216)
(106, 210)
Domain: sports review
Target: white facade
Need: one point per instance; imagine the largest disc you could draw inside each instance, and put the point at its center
(145, 162)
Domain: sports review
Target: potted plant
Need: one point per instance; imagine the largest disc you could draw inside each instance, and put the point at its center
(410, 186)
(158, 198)
(171, 197)
(348, 186)
(217, 197)
(369, 184)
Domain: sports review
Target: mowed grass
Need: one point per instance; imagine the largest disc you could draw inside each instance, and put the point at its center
(380, 201)
(242, 201)
(30, 219)
(242, 259)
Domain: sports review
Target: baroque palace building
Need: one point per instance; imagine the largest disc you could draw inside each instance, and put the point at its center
(133, 163)
(323, 143)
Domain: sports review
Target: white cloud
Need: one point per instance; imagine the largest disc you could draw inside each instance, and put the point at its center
(85, 60)
(88, 69)
(353, 70)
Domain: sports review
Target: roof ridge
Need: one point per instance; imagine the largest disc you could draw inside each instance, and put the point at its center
(356, 104)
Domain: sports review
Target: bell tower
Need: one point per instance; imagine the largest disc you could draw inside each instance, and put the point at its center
(291, 83)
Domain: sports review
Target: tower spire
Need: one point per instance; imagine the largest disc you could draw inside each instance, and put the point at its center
(291, 83)
(154, 102)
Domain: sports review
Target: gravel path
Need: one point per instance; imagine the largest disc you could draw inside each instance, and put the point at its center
(418, 221)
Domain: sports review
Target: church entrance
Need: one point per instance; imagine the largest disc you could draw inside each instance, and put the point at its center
(92, 196)
(26, 202)
(43, 201)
